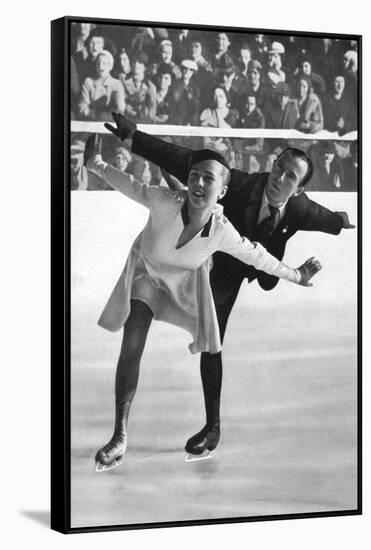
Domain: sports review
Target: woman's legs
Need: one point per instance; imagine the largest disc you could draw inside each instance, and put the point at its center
(127, 374)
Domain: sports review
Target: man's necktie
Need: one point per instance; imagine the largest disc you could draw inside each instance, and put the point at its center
(265, 228)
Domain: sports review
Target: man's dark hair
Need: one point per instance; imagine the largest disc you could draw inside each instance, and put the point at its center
(299, 154)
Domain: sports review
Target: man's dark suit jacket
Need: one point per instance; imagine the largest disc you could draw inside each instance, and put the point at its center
(242, 205)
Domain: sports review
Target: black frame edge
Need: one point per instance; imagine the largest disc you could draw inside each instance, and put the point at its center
(60, 478)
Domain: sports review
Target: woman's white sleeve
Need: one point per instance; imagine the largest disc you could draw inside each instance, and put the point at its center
(125, 183)
(253, 253)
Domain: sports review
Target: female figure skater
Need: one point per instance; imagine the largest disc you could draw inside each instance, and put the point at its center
(166, 275)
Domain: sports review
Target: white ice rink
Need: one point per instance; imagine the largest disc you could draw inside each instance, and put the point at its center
(289, 389)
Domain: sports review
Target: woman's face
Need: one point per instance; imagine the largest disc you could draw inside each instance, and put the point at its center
(125, 62)
(206, 184)
(103, 66)
(303, 88)
(165, 81)
(121, 162)
(196, 50)
(220, 98)
(307, 69)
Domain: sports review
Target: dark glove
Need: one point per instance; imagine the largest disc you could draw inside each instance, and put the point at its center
(93, 146)
(124, 127)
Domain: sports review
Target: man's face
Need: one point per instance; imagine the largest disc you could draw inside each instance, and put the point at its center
(274, 60)
(206, 184)
(196, 49)
(166, 54)
(285, 178)
(96, 46)
(339, 84)
(254, 77)
(187, 74)
(250, 104)
(223, 42)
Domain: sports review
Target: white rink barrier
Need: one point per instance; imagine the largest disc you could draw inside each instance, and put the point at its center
(248, 133)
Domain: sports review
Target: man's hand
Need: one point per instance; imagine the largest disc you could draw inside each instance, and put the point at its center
(308, 270)
(93, 148)
(345, 219)
(124, 127)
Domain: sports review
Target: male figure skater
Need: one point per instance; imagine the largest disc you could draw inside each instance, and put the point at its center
(266, 207)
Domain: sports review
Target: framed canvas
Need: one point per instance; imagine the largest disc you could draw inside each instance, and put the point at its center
(192, 168)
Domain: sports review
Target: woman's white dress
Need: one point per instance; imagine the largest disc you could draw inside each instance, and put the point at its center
(174, 282)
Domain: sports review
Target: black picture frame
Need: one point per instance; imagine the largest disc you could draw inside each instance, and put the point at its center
(61, 283)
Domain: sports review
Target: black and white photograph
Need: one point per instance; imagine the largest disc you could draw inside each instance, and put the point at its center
(212, 198)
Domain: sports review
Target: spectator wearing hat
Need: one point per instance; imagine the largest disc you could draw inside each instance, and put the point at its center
(274, 73)
(282, 112)
(249, 150)
(165, 61)
(222, 56)
(186, 96)
(304, 68)
(339, 109)
(121, 158)
(255, 86)
(140, 93)
(164, 97)
(103, 94)
(328, 172)
(310, 118)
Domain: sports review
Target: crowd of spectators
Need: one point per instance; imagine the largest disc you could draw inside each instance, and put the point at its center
(335, 162)
(214, 79)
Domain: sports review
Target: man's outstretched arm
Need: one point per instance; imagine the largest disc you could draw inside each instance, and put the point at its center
(172, 158)
(320, 218)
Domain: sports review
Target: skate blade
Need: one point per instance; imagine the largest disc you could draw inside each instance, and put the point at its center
(195, 458)
(104, 467)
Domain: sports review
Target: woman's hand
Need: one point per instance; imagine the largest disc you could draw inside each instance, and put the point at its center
(308, 270)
